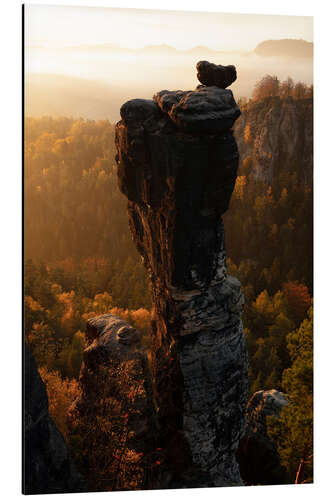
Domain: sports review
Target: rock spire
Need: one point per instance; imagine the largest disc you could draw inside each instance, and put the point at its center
(177, 165)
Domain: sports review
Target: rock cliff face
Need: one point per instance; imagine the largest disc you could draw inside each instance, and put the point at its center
(114, 416)
(47, 466)
(258, 457)
(177, 165)
(277, 133)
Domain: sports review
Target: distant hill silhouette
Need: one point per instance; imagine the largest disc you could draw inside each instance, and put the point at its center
(286, 48)
(161, 50)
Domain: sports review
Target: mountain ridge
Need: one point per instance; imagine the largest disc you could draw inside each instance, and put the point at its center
(283, 47)
(286, 47)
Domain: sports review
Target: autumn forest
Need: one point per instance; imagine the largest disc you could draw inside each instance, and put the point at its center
(80, 260)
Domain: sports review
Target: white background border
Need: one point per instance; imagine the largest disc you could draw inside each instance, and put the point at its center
(11, 220)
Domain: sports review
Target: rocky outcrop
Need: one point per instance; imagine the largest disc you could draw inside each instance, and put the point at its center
(258, 457)
(47, 465)
(214, 74)
(277, 135)
(177, 165)
(112, 422)
(206, 109)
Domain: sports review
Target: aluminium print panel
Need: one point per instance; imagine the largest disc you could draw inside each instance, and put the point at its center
(168, 190)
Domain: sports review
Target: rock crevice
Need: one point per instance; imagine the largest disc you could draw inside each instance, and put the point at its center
(177, 165)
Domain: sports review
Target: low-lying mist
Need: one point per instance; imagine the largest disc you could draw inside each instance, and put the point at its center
(94, 82)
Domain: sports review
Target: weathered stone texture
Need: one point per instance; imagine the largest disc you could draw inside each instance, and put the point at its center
(277, 133)
(258, 457)
(207, 109)
(114, 413)
(178, 172)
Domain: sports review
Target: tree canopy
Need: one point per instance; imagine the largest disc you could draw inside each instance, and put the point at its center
(293, 431)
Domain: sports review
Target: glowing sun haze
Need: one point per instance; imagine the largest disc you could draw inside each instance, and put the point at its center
(57, 26)
(73, 64)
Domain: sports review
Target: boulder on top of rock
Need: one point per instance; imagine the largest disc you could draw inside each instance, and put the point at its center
(210, 74)
(207, 109)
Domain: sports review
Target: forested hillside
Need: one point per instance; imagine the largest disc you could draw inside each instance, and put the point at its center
(81, 261)
(74, 208)
(269, 227)
(77, 239)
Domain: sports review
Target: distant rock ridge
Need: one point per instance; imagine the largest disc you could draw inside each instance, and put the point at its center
(177, 165)
(277, 134)
(287, 47)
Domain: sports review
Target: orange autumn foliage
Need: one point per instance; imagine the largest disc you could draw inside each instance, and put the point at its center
(298, 299)
(61, 395)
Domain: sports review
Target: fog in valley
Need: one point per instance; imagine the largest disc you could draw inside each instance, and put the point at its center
(86, 62)
(93, 82)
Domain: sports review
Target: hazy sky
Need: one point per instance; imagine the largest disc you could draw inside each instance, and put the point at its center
(57, 26)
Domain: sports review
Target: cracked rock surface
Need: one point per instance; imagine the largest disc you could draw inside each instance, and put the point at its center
(206, 109)
(177, 165)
